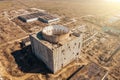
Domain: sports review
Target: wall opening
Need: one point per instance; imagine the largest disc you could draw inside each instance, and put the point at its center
(79, 45)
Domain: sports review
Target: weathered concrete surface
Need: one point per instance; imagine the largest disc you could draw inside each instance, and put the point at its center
(58, 55)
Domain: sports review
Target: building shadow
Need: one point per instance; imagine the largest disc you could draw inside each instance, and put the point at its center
(28, 62)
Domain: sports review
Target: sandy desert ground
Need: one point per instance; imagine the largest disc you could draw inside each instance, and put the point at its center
(12, 67)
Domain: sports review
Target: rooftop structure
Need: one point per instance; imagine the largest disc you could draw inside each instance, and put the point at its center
(56, 46)
(55, 33)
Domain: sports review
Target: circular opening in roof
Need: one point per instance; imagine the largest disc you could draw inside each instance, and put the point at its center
(55, 30)
(53, 33)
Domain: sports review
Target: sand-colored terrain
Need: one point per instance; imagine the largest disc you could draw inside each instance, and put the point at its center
(18, 63)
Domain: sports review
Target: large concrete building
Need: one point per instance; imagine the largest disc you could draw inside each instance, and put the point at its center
(56, 46)
(49, 18)
(41, 16)
(31, 17)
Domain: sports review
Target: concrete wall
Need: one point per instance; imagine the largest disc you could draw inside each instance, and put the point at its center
(53, 20)
(58, 58)
(27, 20)
(22, 19)
(42, 52)
(49, 21)
(31, 20)
(66, 53)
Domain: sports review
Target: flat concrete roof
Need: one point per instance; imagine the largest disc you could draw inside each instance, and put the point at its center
(33, 15)
(48, 17)
(39, 37)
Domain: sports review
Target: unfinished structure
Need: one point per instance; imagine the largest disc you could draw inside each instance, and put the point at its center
(56, 46)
